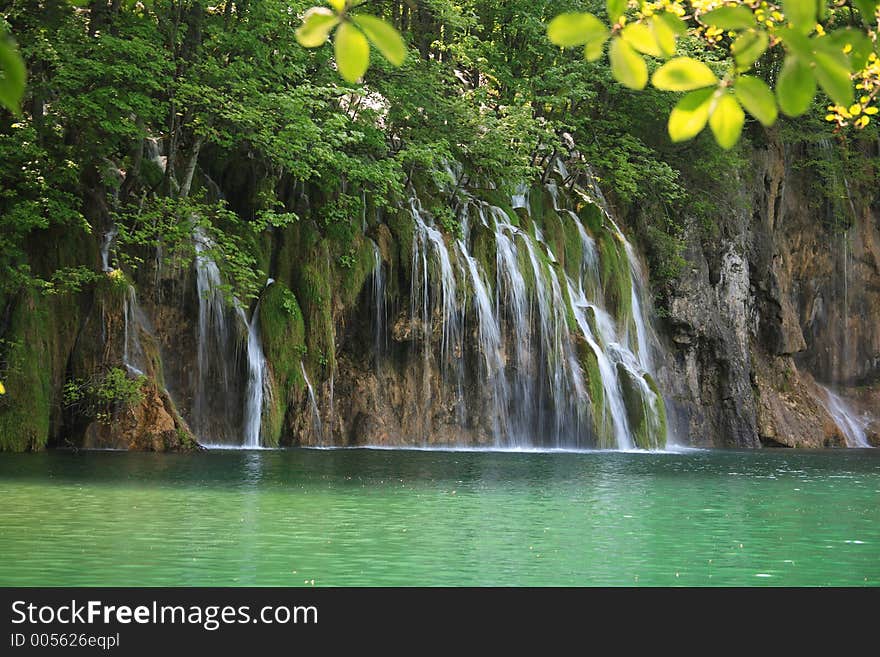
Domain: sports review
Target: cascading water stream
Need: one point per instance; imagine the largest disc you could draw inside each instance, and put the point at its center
(133, 355)
(852, 427)
(317, 427)
(257, 383)
(533, 387)
(106, 245)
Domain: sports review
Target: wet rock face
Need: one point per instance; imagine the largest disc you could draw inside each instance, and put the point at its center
(790, 299)
(707, 377)
(149, 426)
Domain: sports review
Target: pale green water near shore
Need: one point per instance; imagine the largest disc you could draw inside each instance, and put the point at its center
(377, 517)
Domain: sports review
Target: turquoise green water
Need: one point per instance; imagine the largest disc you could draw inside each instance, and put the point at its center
(370, 517)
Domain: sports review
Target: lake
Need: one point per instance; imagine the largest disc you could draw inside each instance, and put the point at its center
(410, 517)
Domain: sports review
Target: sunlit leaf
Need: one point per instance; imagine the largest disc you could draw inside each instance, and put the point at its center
(641, 37)
(795, 87)
(352, 52)
(730, 18)
(615, 9)
(576, 29)
(689, 116)
(754, 94)
(726, 121)
(683, 74)
(664, 35)
(384, 37)
(748, 48)
(338, 5)
(627, 65)
(594, 49)
(318, 22)
(675, 24)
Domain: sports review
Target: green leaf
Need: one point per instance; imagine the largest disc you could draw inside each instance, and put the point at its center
(384, 37)
(683, 74)
(754, 94)
(627, 66)
(689, 116)
(868, 10)
(318, 22)
(859, 44)
(576, 29)
(338, 5)
(352, 52)
(641, 37)
(594, 49)
(795, 87)
(674, 22)
(730, 18)
(801, 13)
(834, 78)
(727, 121)
(796, 43)
(748, 48)
(664, 35)
(14, 76)
(615, 9)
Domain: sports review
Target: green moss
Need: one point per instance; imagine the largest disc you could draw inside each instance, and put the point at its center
(616, 276)
(645, 412)
(26, 408)
(352, 272)
(603, 427)
(540, 202)
(659, 406)
(484, 251)
(403, 231)
(592, 217)
(282, 328)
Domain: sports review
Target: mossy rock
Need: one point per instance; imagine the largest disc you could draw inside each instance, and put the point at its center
(616, 276)
(484, 250)
(282, 329)
(645, 414)
(591, 217)
(603, 427)
(25, 408)
(352, 273)
(403, 229)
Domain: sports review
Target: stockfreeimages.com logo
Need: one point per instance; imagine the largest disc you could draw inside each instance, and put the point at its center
(210, 617)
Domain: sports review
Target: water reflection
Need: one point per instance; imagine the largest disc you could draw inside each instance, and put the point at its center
(359, 517)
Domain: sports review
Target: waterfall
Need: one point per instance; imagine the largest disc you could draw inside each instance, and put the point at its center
(256, 383)
(554, 367)
(218, 408)
(379, 308)
(852, 427)
(133, 355)
(317, 428)
(106, 244)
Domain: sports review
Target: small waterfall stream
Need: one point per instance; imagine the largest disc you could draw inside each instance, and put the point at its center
(256, 383)
(135, 321)
(317, 427)
(225, 412)
(852, 427)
